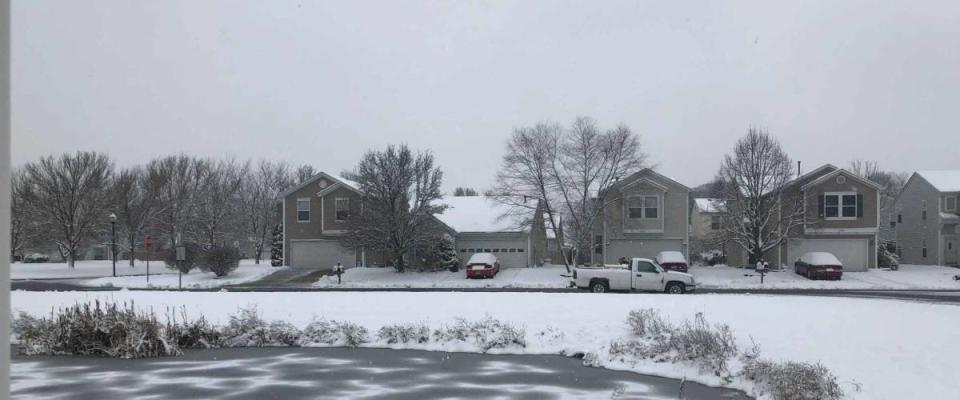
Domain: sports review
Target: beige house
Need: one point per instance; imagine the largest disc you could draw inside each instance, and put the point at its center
(841, 216)
(644, 214)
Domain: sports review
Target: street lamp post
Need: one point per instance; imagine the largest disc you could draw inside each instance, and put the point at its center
(113, 242)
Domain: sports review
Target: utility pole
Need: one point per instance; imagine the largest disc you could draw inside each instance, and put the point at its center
(113, 242)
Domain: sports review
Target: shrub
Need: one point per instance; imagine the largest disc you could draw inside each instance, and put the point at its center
(646, 322)
(103, 331)
(221, 260)
(404, 333)
(335, 333)
(192, 253)
(195, 334)
(487, 333)
(247, 329)
(792, 380)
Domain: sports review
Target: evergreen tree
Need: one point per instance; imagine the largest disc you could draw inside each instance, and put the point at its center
(276, 246)
(447, 255)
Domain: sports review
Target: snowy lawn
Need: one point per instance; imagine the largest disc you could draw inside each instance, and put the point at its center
(248, 271)
(83, 269)
(891, 349)
(544, 277)
(908, 277)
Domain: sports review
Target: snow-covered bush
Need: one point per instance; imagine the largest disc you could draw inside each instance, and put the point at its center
(191, 253)
(792, 380)
(247, 329)
(276, 246)
(191, 334)
(94, 330)
(221, 260)
(404, 333)
(336, 333)
(646, 322)
(486, 333)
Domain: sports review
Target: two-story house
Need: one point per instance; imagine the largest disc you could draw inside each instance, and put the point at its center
(840, 216)
(643, 214)
(928, 218)
(313, 216)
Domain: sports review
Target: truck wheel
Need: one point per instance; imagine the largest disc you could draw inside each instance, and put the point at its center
(598, 287)
(675, 288)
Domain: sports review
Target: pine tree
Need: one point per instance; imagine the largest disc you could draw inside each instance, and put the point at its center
(447, 255)
(276, 246)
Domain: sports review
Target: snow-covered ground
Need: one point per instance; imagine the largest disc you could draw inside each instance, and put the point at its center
(891, 349)
(907, 277)
(248, 271)
(83, 269)
(545, 277)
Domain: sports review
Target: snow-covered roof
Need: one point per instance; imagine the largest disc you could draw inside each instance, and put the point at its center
(477, 214)
(671, 257)
(352, 184)
(708, 205)
(820, 258)
(948, 216)
(483, 258)
(943, 180)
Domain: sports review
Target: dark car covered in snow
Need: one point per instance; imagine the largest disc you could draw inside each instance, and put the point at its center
(819, 265)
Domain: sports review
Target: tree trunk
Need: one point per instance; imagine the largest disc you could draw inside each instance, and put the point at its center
(131, 253)
(257, 253)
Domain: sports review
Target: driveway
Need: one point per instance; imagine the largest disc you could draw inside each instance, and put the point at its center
(339, 373)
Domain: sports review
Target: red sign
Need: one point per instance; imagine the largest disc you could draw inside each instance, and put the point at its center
(148, 241)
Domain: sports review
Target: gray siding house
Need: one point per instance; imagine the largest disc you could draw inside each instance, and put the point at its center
(928, 219)
(841, 216)
(646, 213)
(483, 225)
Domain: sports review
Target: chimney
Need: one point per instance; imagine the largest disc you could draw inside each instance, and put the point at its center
(798, 168)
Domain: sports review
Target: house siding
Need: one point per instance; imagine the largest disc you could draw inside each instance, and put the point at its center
(914, 230)
(321, 209)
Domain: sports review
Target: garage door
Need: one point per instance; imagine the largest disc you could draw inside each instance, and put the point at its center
(510, 253)
(322, 254)
(641, 248)
(852, 253)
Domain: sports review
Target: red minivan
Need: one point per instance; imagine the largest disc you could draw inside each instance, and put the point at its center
(483, 265)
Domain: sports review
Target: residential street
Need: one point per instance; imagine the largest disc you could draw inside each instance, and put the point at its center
(338, 373)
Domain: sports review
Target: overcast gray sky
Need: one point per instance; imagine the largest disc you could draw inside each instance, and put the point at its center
(321, 82)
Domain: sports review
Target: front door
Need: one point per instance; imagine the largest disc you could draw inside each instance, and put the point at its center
(951, 252)
(646, 277)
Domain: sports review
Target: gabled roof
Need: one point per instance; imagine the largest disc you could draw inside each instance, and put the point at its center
(633, 177)
(814, 172)
(334, 183)
(478, 214)
(708, 205)
(839, 171)
(943, 180)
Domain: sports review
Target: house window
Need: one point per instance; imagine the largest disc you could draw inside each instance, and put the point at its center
(303, 210)
(513, 250)
(893, 224)
(715, 222)
(496, 250)
(520, 250)
(923, 245)
(923, 212)
(840, 205)
(644, 207)
(951, 204)
(342, 208)
(899, 218)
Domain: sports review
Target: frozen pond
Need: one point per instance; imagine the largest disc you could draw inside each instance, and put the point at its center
(311, 373)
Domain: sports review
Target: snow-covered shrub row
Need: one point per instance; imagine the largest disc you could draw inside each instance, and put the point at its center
(247, 329)
(792, 380)
(709, 347)
(94, 330)
(404, 333)
(486, 333)
(191, 334)
(336, 333)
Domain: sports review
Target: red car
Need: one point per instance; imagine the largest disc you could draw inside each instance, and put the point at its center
(483, 265)
(672, 261)
(819, 265)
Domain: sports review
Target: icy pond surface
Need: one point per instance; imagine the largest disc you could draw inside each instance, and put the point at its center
(338, 373)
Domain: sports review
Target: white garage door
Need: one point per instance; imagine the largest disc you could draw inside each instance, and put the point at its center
(510, 253)
(322, 254)
(641, 248)
(852, 253)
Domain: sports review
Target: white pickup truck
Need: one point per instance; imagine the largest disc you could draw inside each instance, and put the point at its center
(641, 274)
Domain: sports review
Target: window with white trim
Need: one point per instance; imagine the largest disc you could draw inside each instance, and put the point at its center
(342, 208)
(644, 207)
(950, 204)
(841, 205)
(923, 248)
(303, 210)
(715, 222)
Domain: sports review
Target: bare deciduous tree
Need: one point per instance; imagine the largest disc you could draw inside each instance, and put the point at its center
(71, 196)
(23, 215)
(401, 197)
(569, 172)
(134, 203)
(259, 200)
(178, 180)
(304, 172)
(218, 202)
(465, 192)
(754, 178)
